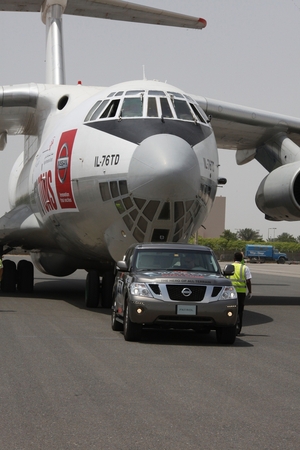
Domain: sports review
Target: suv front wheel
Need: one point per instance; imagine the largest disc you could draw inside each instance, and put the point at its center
(115, 325)
(226, 335)
(132, 331)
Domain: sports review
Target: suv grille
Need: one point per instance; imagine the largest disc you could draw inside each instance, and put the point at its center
(175, 292)
(216, 291)
(155, 288)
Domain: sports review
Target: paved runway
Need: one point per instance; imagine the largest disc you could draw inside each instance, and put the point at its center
(67, 381)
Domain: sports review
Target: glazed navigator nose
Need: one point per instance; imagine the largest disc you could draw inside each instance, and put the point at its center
(166, 167)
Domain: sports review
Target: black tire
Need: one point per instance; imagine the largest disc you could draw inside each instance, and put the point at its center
(115, 324)
(107, 289)
(92, 289)
(132, 331)
(281, 261)
(9, 276)
(226, 335)
(237, 326)
(25, 276)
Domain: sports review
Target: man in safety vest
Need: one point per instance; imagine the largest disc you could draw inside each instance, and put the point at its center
(241, 280)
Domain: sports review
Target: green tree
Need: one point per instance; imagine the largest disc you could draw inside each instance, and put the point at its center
(248, 234)
(229, 235)
(285, 237)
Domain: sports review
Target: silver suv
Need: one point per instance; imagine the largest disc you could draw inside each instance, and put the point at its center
(173, 286)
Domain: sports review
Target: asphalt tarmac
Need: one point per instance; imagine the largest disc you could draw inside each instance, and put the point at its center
(67, 381)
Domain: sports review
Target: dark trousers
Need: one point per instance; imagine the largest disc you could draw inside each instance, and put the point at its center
(241, 304)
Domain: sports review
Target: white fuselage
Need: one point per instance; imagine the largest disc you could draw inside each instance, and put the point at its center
(133, 162)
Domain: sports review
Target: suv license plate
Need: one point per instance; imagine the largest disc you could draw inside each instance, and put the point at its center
(188, 310)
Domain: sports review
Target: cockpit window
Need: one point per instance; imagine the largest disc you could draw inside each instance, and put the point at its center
(197, 113)
(92, 110)
(132, 107)
(96, 112)
(111, 109)
(189, 98)
(165, 108)
(182, 110)
(152, 103)
(176, 94)
(134, 92)
(161, 93)
(152, 107)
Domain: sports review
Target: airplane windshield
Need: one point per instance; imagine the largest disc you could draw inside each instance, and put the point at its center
(132, 107)
(152, 107)
(151, 104)
(165, 108)
(182, 109)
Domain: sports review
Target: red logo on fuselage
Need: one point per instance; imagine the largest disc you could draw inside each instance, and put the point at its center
(63, 170)
(62, 163)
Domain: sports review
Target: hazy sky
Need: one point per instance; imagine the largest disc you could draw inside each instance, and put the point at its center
(248, 54)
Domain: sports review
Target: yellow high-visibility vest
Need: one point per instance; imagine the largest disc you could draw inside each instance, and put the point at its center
(238, 279)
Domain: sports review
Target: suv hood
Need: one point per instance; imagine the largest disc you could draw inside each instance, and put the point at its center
(178, 276)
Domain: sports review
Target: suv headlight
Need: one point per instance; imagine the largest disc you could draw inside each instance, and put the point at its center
(140, 289)
(228, 293)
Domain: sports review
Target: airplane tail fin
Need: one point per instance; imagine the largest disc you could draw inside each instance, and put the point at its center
(52, 17)
(53, 10)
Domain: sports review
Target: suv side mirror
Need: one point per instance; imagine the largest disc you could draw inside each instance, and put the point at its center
(228, 270)
(122, 266)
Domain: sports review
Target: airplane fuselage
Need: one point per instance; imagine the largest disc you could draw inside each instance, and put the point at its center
(134, 162)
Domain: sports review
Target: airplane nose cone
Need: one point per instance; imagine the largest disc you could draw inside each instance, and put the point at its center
(164, 166)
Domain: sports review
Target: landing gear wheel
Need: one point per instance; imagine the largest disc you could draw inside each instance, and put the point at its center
(9, 277)
(132, 331)
(25, 276)
(106, 290)
(92, 289)
(226, 335)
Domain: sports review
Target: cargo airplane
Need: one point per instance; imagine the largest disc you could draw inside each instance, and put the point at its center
(104, 167)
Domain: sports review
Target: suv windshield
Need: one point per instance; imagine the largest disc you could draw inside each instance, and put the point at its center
(189, 260)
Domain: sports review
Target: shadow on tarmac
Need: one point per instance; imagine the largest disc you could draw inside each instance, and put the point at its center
(273, 301)
(70, 291)
(251, 318)
(189, 338)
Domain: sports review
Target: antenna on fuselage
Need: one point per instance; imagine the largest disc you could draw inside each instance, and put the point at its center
(144, 73)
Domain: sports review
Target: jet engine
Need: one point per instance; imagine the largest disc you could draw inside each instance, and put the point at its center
(51, 263)
(278, 195)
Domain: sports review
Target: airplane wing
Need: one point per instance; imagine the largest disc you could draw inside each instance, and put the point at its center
(111, 9)
(241, 128)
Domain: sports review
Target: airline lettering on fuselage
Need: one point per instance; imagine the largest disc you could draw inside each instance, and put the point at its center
(63, 170)
(106, 160)
(46, 193)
